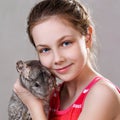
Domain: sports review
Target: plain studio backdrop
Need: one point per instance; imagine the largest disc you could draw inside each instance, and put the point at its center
(14, 43)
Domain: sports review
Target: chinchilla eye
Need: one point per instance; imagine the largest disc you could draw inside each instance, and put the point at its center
(37, 84)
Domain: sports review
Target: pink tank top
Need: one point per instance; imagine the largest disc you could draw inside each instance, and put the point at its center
(73, 112)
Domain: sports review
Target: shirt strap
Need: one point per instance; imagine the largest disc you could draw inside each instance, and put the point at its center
(85, 91)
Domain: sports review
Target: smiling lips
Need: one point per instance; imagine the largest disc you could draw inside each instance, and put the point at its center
(63, 70)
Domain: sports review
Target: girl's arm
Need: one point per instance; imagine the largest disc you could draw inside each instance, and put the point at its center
(34, 104)
(102, 103)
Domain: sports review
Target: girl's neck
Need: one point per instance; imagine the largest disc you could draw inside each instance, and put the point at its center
(73, 88)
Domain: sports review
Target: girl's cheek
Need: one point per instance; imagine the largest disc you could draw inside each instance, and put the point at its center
(46, 61)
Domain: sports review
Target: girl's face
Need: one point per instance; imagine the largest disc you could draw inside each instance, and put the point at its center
(61, 48)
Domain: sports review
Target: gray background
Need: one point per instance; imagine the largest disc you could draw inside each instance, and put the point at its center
(14, 43)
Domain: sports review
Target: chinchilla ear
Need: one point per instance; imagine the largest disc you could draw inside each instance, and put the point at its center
(46, 70)
(39, 62)
(20, 66)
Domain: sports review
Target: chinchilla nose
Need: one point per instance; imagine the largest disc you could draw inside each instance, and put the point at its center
(19, 65)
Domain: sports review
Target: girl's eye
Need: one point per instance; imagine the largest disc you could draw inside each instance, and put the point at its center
(66, 43)
(44, 50)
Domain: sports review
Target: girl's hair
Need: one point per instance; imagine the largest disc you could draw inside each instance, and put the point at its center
(70, 10)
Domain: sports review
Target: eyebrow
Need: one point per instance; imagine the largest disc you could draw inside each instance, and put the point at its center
(59, 39)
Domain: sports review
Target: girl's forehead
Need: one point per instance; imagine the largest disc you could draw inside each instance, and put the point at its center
(54, 20)
(52, 29)
(53, 24)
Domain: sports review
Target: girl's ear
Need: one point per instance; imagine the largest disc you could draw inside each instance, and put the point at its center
(89, 37)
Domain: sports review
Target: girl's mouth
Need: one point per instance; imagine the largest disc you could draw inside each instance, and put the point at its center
(63, 70)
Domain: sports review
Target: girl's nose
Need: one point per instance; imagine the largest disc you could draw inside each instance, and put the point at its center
(58, 58)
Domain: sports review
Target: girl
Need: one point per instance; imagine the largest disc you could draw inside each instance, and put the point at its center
(63, 34)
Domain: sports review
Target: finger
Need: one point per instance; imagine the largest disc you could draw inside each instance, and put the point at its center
(21, 92)
(18, 87)
(26, 97)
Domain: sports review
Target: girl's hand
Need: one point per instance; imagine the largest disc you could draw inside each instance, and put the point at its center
(34, 104)
(24, 94)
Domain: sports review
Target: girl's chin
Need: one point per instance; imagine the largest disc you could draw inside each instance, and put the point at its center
(64, 78)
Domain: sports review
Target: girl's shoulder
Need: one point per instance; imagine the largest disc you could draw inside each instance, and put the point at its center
(103, 99)
(105, 88)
